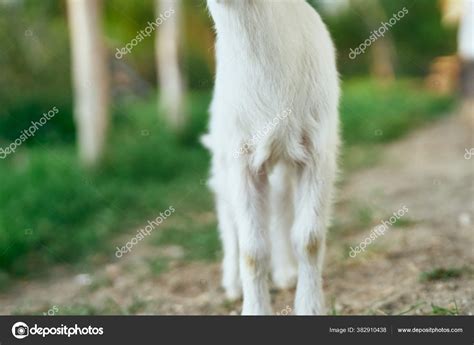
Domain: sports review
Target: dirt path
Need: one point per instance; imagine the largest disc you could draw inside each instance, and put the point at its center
(426, 172)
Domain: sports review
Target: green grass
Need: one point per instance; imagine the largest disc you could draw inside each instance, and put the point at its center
(404, 223)
(373, 113)
(450, 311)
(199, 242)
(55, 212)
(110, 307)
(434, 309)
(158, 266)
(442, 274)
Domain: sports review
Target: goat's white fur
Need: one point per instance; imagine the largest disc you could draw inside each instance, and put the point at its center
(273, 56)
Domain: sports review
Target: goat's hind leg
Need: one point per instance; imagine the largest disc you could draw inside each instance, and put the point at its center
(312, 203)
(284, 270)
(249, 191)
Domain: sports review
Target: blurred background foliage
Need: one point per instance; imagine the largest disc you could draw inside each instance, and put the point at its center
(419, 37)
(53, 211)
(35, 57)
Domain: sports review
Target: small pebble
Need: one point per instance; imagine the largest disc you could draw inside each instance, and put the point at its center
(83, 279)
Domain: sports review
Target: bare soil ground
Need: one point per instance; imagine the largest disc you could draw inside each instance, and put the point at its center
(426, 172)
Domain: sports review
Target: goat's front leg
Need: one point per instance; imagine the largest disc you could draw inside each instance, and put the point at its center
(230, 265)
(250, 194)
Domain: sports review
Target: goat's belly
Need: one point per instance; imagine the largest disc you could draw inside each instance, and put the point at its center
(283, 145)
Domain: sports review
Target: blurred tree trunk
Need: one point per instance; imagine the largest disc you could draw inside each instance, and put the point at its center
(90, 78)
(382, 60)
(171, 83)
(466, 54)
(383, 49)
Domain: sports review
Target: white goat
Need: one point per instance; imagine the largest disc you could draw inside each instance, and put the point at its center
(272, 57)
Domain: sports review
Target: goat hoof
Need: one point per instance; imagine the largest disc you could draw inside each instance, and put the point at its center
(233, 294)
